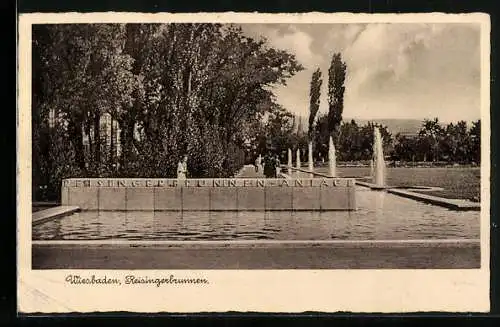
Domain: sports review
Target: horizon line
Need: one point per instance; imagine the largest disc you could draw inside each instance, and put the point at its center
(396, 118)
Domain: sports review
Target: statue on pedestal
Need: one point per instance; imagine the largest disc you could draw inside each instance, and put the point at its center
(182, 168)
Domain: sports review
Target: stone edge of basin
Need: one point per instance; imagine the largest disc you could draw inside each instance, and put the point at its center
(231, 244)
(43, 216)
(453, 204)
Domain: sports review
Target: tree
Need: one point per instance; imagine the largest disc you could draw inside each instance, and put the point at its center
(203, 80)
(366, 140)
(475, 142)
(454, 144)
(143, 45)
(430, 136)
(405, 148)
(322, 136)
(354, 142)
(42, 89)
(79, 73)
(349, 143)
(168, 89)
(89, 75)
(314, 99)
(336, 88)
(449, 143)
(279, 128)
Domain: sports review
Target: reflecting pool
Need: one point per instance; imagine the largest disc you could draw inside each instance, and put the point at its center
(380, 216)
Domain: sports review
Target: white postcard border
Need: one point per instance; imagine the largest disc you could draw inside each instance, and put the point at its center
(388, 290)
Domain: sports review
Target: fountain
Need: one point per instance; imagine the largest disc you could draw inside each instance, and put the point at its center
(378, 160)
(331, 158)
(289, 159)
(310, 158)
(297, 163)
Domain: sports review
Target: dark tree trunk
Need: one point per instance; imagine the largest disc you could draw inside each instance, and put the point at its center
(112, 145)
(76, 137)
(88, 128)
(97, 141)
(126, 141)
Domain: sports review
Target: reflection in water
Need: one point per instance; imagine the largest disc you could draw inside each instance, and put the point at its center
(379, 216)
(379, 202)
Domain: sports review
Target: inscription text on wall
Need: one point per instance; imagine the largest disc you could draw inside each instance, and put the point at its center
(208, 182)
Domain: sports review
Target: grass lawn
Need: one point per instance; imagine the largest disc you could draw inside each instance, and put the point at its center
(457, 182)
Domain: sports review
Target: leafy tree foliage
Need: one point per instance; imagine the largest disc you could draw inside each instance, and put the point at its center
(354, 142)
(167, 90)
(474, 150)
(453, 143)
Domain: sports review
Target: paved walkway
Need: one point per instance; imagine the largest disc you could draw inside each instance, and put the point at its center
(248, 171)
(465, 256)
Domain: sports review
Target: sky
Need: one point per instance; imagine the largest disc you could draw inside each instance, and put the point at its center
(411, 71)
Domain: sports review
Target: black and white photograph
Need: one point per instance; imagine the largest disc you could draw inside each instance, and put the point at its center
(328, 145)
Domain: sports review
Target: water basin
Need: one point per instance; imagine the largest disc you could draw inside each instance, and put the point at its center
(380, 216)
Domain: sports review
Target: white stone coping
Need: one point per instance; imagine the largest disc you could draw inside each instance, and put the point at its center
(42, 216)
(439, 243)
(407, 192)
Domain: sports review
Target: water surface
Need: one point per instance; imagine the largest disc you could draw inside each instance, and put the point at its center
(380, 216)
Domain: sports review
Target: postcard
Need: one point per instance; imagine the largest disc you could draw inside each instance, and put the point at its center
(248, 162)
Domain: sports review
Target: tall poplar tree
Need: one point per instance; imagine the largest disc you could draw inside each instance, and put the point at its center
(314, 99)
(336, 88)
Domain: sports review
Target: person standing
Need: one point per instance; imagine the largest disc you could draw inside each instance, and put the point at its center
(182, 168)
(269, 169)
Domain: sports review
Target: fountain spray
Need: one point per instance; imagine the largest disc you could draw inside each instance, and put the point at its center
(310, 157)
(297, 163)
(332, 158)
(378, 159)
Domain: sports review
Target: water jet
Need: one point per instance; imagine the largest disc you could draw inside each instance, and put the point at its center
(297, 163)
(332, 158)
(378, 161)
(310, 158)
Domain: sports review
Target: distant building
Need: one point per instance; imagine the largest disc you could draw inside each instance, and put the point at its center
(409, 135)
